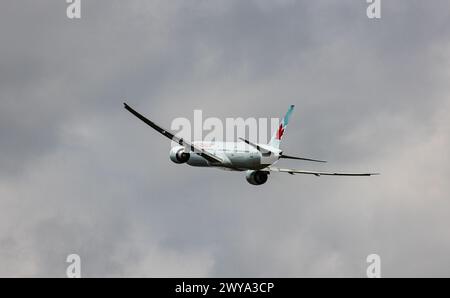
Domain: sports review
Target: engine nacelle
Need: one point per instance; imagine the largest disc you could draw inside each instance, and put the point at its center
(177, 155)
(257, 177)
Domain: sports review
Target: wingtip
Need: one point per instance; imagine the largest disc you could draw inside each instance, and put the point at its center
(126, 106)
(244, 140)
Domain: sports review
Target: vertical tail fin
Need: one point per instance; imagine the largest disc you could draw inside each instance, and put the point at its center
(275, 141)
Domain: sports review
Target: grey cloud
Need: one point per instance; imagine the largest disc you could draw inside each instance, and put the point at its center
(78, 174)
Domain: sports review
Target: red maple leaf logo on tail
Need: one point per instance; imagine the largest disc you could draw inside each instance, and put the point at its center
(280, 132)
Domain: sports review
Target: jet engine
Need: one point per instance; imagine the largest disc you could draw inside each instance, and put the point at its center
(177, 155)
(256, 177)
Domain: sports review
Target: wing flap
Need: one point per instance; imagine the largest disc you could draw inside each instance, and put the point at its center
(257, 146)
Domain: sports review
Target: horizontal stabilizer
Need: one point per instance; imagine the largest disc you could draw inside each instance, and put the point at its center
(300, 158)
(295, 171)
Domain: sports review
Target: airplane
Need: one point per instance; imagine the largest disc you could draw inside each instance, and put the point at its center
(257, 160)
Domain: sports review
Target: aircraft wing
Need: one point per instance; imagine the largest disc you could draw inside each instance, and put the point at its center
(294, 171)
(200, 151)
(259, 148)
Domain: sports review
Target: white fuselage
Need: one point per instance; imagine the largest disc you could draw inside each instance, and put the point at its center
(237, 156)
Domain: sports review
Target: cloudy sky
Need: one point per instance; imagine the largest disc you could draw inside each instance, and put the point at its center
(79, 175)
